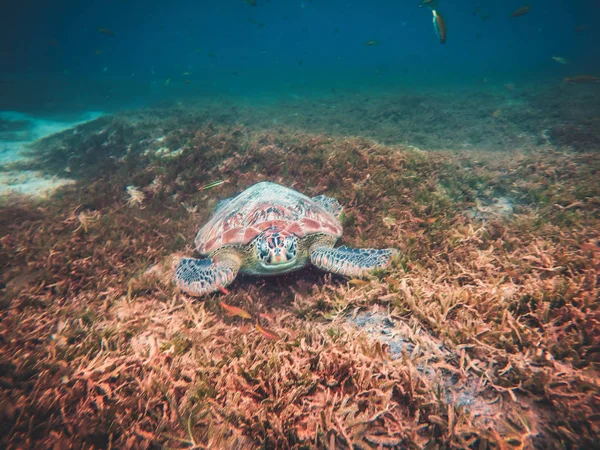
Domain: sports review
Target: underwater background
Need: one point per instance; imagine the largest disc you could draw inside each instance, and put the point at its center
(465, 134)
(55, 57)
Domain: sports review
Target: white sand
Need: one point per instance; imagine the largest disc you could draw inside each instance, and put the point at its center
(13, 144)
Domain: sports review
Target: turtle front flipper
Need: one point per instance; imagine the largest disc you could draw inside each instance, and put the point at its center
(351, 262)
(202, 276)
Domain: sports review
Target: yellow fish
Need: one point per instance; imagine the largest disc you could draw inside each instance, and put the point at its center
(267, 333)
(358, 282)
(214, 184)
(439, 25)
(235, 311)
(521, 11)
(107, 32)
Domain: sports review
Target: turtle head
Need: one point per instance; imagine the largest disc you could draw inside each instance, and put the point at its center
(276, 250)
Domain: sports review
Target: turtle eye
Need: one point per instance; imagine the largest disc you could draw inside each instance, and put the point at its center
(290, 247)
(263, 250)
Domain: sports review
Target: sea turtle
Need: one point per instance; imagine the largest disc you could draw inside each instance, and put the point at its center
(270, 229)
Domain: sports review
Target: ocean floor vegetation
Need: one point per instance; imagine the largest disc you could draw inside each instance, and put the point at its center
(483, 335)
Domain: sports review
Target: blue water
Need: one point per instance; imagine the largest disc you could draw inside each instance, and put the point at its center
(52, 52)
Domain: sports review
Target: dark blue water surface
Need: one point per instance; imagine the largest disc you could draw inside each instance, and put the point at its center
(52, 52)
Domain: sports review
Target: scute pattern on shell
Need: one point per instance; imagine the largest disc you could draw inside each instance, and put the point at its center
(260, 207)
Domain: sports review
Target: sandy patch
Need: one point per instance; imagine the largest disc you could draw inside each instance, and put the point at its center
(17, 132)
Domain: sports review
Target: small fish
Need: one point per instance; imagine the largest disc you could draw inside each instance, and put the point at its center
(372, 43)
(185, 74)
(107, 32)
(99, 52)
(187, 81)
(521, 11)
(582, 79)
(580, 28)
(167, 81)
(235, 311)
(560, 60)
(358, 282)
(105, 70)
(214, 184)
(223, 290)
(439, 25)
(428, 3)
(497, 113)
(269, 317)
(250, 2)
(267, 333)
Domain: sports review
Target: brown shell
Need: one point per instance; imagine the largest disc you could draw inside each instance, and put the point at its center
(260, 207)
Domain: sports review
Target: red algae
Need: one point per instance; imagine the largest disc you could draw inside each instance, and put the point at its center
(482, 335)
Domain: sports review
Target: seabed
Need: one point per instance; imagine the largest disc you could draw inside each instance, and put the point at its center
(483, 334)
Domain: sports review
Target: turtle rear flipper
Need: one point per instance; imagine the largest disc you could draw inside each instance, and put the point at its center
(330, 204)
(202, 276)
(351, 262)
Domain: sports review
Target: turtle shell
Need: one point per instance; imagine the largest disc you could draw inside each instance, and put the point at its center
(260, 207)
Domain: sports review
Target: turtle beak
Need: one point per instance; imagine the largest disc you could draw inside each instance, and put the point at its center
(278, 257)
